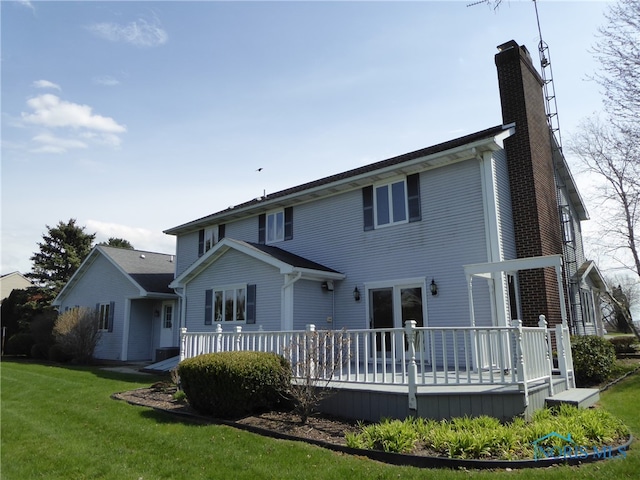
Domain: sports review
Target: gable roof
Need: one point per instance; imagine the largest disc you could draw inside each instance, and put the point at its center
(286, 262)
(149, 272)
(450, 151)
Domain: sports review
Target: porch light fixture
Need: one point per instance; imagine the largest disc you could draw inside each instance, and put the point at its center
(356, 294)
(156, 313)
(434, 287)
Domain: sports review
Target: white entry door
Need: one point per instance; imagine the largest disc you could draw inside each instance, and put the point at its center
(166, 326)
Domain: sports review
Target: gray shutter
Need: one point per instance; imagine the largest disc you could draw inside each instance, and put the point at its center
(112, 308)
(251, 304)
(201, 242)
(413, 197)
(208, 307)
(262, 226)
(367, 207)
(288, 223)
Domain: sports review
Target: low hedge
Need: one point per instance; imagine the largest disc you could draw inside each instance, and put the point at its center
(624, 344)
(593, 359)
(233, 384)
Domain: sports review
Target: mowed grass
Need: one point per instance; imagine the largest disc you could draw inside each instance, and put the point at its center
(60, 423)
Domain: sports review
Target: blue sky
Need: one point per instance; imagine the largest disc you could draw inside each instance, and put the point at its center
(134, 117)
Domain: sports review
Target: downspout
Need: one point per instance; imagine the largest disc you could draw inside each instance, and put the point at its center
(287, 313)
(181, 296)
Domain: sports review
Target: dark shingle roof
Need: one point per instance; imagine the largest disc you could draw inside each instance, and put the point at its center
(290, 258)
(326, 181)
(152, 271)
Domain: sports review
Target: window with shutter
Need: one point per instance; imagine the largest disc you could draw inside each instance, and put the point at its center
(392, 203)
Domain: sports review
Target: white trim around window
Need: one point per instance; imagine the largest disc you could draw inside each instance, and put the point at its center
(274, 226)
(390, 203)
(230, 303)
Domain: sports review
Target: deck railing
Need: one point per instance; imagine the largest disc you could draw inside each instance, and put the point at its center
(411, 356)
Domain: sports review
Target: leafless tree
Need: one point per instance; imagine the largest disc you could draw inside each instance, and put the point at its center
(614, 157)
(616, 309)
(618, 53)
(76, 332)
(316, 357)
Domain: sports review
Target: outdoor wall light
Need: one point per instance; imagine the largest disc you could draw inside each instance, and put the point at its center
(156, 313)
(434, 287)
(356, 294)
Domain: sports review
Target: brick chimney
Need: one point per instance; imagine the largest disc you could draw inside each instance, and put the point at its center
(532, 181)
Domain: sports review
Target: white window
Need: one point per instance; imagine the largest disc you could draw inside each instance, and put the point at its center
(390, 203)
(230, 303)
(275, 227)
(103, 316)
(210, 237)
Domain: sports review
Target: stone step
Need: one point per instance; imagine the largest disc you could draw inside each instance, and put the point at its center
(580, 397)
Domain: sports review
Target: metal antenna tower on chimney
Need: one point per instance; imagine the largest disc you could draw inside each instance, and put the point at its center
(551, 106)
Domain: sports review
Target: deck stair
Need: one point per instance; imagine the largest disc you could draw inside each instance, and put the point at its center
(580, 397)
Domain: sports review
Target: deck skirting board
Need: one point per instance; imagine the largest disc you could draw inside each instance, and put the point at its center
(373, 404)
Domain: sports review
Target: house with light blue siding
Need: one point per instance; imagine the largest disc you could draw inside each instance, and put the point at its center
(388, 231)
(130, 291)
(461, 262)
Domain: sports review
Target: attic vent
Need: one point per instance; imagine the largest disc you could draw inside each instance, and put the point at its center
(142, 255)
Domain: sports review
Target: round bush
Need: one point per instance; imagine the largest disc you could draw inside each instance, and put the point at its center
(593, 359)
(19, 344)
(232, 384)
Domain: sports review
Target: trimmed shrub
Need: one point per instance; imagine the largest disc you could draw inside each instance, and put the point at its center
(19, 344)
(593, 359)
(232, 384)
(624, 344)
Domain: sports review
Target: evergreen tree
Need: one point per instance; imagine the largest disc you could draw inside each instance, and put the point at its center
(118, 243)
(64, 248)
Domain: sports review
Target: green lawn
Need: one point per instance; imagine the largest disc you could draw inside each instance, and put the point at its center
(61, 423)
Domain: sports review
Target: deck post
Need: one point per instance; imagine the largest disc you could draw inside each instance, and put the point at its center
(183, 343)
(410, 329)
(542, 323)
(562, 354)
(218, 347)
(238, 330)
(520, 360)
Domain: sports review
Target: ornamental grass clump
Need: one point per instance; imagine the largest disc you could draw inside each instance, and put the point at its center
(233, 384)
(486, 437)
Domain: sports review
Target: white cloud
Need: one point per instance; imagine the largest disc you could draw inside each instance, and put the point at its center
(50, 111)
(27, 4)
(106, 81)
(51, 144)
(140, 238)
(46, 84)
(139, 33)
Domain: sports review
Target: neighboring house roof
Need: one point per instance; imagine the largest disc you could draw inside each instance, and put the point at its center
(13, 281)
(453, 150)
(287, 263)
(150, 272)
